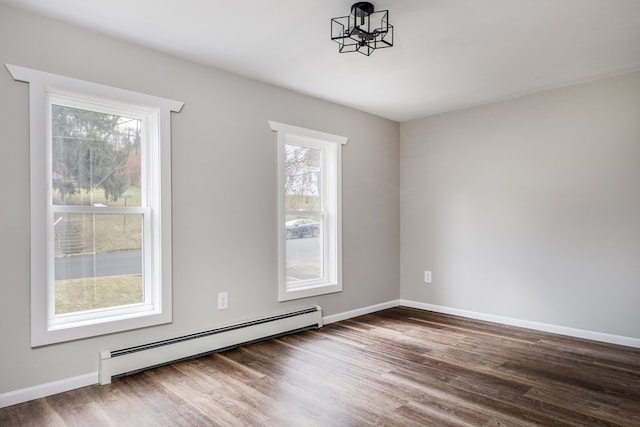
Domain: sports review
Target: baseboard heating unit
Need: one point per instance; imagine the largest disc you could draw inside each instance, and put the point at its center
(126, 361)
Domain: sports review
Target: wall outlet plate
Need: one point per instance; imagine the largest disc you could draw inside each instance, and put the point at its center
(223, 300)
(427, 276)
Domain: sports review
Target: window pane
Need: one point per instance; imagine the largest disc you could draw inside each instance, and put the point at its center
(98, 261)
(96, 158)
(302, 178)
(304, 249)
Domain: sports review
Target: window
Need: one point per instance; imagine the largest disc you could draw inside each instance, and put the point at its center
(309, 212)
(100, 227)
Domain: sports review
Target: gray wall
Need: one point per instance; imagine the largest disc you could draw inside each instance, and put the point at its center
(528, 208)
(224, 192)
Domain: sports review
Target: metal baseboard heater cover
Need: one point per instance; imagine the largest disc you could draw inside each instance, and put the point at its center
(130, 360)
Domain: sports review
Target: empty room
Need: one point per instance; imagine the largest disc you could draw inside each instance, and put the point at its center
(335, 213)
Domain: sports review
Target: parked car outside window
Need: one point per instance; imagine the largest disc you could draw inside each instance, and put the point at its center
(302, 227)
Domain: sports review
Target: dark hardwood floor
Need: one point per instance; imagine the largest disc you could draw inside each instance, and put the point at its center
(398, 367)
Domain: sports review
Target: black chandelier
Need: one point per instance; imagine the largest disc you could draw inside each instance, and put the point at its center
(363, 30)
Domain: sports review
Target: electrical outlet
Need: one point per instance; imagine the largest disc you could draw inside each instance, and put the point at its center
(427, 277)
(223, 300)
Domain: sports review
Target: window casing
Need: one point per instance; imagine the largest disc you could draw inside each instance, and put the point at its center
(309, 212)
(93, 146)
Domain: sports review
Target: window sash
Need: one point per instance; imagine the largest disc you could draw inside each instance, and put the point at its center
(100, 315)
(78, 318)
(148, 132)
(324, 278)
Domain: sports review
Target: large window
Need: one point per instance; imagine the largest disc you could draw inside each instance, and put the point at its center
(309, 212)
(100, 239)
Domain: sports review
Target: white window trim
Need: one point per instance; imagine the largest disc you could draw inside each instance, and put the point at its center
(41, 84)
(332, 144)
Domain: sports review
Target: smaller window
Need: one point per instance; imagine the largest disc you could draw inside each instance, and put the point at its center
(309, 212)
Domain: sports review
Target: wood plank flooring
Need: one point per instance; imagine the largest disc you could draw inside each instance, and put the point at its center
(397, 367)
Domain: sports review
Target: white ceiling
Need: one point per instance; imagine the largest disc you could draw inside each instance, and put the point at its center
(448, 54)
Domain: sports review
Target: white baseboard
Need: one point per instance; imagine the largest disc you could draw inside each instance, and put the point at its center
(360, 311)
(538, 326)
(528, 324)
(48, 389)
